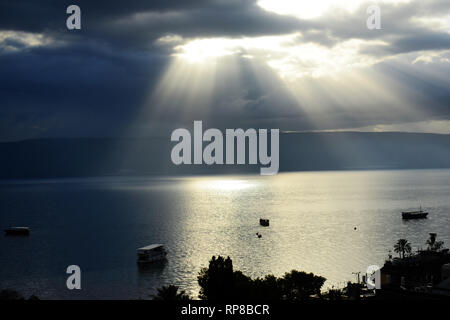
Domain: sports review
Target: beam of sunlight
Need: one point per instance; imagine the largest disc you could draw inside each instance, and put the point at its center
(183, 90)
(333, 86)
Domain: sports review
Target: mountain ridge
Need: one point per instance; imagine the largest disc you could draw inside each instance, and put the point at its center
(305, 151)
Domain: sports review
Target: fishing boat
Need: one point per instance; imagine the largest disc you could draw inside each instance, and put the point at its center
(151, 253)
(17, 231)
(420, 214)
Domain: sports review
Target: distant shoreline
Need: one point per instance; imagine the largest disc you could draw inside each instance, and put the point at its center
(200, 175)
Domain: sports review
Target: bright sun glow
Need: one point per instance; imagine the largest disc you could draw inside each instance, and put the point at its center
(287, 55)
(223, 184)
(207, 49)
(204, 49)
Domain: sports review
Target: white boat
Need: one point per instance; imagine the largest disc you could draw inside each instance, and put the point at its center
(151, 253)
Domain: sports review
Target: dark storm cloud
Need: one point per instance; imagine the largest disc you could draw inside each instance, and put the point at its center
(72, 89)
(49, 15)
(425, 41)
(138, 23)
(401, 31)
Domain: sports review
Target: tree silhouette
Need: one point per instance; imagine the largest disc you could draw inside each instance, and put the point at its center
(300, 285)
(7, 294)
(216, 281)
(401, 247)
(171, 293)
(220, 282)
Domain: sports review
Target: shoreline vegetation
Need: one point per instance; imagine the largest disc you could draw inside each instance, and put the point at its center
(220, 282)
(9, 294)
(424, 274)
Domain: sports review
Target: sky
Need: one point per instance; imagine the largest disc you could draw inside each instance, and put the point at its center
(144, 68)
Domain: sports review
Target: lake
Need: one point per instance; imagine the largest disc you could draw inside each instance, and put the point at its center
(329, 223)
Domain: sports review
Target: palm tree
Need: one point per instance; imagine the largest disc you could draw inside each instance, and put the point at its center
(171, 293)
(401, 247)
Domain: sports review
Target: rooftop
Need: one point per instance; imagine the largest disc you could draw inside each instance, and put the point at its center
(150, 247)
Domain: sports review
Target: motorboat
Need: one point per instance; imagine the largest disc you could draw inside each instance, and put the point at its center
(17, 231)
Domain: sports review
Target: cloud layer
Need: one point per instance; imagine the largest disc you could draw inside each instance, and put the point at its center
(145, 67)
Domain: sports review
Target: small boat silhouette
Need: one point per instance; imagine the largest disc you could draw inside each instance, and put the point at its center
(17, 231)
(408, 215)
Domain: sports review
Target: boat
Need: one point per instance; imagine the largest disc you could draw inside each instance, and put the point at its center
(264, 222)
(151, 253)
(420, 214)
(17, 231)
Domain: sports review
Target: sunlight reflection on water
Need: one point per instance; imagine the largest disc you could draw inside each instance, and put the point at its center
(98, 223)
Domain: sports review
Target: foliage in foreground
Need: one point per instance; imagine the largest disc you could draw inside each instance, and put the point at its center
(219, 282)
(403, 246)
(171, 293)
(8, 294)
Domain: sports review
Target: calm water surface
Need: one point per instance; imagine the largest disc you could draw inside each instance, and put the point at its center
(97, 223)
